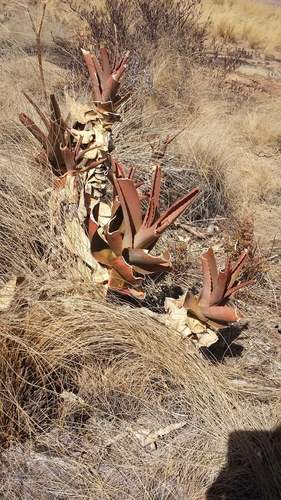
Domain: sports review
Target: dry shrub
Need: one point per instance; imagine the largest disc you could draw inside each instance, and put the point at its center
(178, 23)
(239, 235)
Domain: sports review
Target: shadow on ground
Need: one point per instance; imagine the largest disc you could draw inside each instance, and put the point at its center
(226, 346)
(253, 470)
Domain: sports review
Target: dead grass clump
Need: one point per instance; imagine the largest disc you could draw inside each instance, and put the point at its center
(261, 127)
(252, 24)
(117, 400)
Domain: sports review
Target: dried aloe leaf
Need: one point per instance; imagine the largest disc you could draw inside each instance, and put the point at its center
(7, 292)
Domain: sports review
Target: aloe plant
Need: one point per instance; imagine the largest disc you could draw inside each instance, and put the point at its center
(85, 145)
(218, 289)
(125, 243)
(79, 146)
(106, 81)
(193, 315)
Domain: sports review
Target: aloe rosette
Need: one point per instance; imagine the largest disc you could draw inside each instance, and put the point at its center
(125, 243)
(194, 315)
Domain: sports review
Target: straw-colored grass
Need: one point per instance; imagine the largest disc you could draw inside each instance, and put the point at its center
(254, 25)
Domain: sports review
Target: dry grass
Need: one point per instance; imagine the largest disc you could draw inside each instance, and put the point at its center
(251, 24)
(86, 380)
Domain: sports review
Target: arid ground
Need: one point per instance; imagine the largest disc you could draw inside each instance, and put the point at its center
(99, 399)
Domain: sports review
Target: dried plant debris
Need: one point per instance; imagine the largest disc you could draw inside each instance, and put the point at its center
(125, 242)
(7, 292)
(199, 317)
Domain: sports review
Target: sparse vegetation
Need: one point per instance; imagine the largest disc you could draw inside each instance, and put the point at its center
(100, 396)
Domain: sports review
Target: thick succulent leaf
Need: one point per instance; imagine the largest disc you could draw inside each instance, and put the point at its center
(235, 271)
(105, 84)
(219, 291)
(105, 61)
(99, 70)
(175, 210)
(153, 199)
(121, 67)
(145, 263)
(93, 220)
(210, 257)
(56, 134)
(115, 241)
(68, 158)
(117, 169)
(32, 127)
(125, 271)
(102, 252)
(205, 293)
(147, 238)
(191, 304)
(116, 222)
(229, 293)
(117, 284)
(221, 314)
(93, 74)
(129, 199)
(38, 110)
(114, 105)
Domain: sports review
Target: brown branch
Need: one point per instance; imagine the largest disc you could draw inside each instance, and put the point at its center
(37, 32)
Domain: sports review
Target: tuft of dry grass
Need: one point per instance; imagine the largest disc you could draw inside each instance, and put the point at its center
(90, 381)
(254, 25)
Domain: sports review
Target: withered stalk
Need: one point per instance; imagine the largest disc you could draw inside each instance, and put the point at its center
(37, 32)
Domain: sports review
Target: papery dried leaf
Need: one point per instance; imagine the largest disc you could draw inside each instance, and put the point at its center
(77, 242)
(191, 304)
(77, 110)
(177, 317)
(195, 325)
(7, 292)
(104, 213)
(206, 338)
